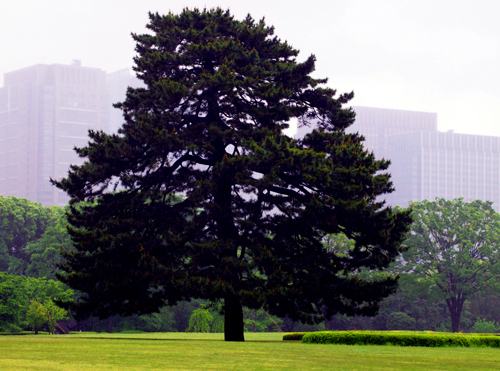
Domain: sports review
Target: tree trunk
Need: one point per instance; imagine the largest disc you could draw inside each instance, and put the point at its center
(455, 321)
(455, 307)
(109, 326)
(233, 320)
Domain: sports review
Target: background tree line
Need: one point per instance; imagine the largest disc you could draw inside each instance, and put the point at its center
(32, 235)
(28, 303)
(31, 238)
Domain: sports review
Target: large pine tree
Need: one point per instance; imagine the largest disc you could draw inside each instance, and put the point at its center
(201, 195)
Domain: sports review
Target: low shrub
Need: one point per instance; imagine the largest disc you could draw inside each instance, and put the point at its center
(402, 339)
(294, 336)
(12, 329)
(400, 321)
(484, 326)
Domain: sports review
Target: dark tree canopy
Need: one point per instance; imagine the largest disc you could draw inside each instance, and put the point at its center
(256, 205)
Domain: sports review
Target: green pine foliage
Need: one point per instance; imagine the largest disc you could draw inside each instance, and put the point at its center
(257, 205)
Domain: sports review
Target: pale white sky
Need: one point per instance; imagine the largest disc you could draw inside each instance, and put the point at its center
(438, 56)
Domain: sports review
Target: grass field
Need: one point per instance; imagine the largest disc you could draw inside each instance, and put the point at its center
(185, 351)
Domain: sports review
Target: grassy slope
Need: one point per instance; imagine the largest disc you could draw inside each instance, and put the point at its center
(208, 352)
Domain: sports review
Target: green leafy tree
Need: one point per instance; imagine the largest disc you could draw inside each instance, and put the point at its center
(485, 306)
(258, 321)
(17, 293)
(53, 314)
(182, 313)
(13, 300)
(456, 246)
(418, 298)
(218, 326)
(36, 316)
(155, 322)
(257, 204)
(22, 222)
(45, 252)
(200, 321)
(482, 326)
(400, 321)
(339, 243)
(42, 289)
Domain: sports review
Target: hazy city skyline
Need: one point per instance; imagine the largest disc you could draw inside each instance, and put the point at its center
(439, 56)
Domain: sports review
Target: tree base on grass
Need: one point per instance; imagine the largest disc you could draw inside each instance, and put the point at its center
(233, 320)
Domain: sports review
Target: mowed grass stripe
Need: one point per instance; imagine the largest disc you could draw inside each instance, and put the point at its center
(82, 353)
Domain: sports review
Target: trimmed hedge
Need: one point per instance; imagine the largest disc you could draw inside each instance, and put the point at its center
(294, 336)
(402, 339)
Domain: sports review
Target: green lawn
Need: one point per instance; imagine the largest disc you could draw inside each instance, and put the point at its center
(184, 351)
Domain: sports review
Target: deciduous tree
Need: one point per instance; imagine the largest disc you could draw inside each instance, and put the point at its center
(209, 126)
(45, 252)
(18, 292)
(13, 301)
(456, 246)
(22, 222)
(53, 314)
(200, 321)
(36, 316)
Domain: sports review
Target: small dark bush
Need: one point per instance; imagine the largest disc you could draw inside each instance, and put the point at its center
(294, 336)
(402, 339)
(12, 329)
(400, 321)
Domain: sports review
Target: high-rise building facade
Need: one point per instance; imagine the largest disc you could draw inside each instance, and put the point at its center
(117, 83)
(376, 124)
(426, 165)
(45, 111)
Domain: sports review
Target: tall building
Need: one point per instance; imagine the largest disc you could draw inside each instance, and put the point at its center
(117, 83)
(376, 124)
(45, 111)
(426, 165)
